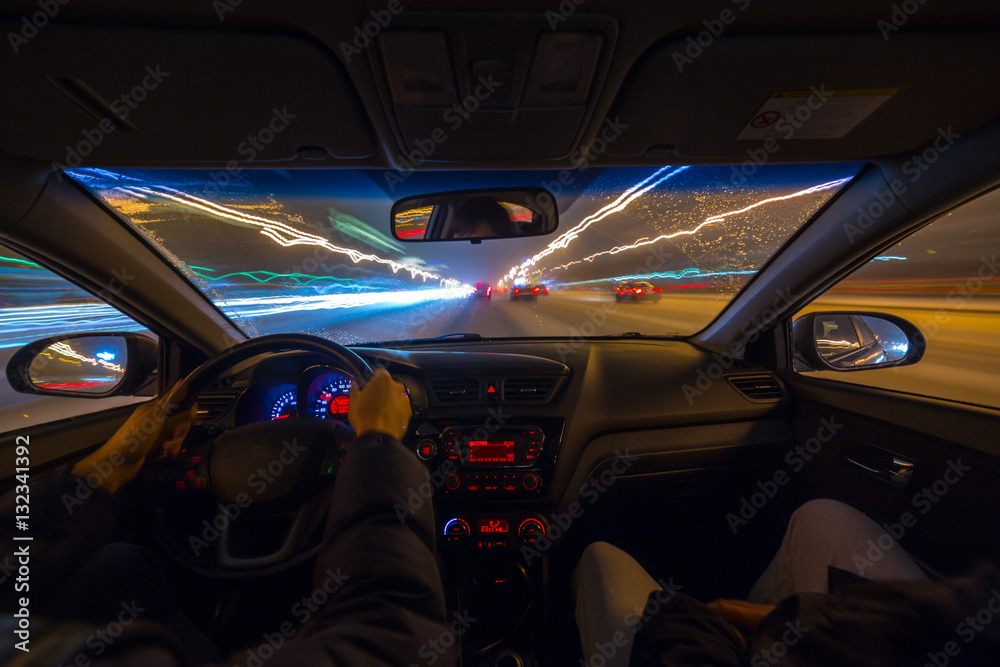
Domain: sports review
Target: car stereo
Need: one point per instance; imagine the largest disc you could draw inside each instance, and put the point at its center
(505, 461)
(507, 448)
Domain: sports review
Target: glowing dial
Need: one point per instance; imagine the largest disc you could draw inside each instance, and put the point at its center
(284, 407)
(333, 400)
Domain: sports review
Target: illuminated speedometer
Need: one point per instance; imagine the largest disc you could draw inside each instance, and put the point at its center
(333, 400)
(284, 406)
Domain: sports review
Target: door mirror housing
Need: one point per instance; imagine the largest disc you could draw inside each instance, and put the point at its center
(85, 365)
(855, 341)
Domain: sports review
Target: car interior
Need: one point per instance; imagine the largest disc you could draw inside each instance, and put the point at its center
(689, 447)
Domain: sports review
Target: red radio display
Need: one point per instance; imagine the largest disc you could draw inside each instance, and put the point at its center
(494, 526)
(492, 451)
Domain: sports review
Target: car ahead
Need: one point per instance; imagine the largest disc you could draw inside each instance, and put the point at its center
(483, 291)
(637, 291)
(525, 293)
(828, 233)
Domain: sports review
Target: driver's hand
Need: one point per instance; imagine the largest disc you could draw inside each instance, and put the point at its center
(381, 407)
(148, 431)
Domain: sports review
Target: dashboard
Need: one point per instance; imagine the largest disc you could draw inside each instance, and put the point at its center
(520, 439)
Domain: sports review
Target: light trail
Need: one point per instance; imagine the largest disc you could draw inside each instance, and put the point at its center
(284, 235)
(619, 204)
(66, 350)
(645, 241)
(670, 275)
(301, 279)
(25, 324)
(274, 305)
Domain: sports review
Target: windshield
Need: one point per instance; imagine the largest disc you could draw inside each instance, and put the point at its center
(311, 250)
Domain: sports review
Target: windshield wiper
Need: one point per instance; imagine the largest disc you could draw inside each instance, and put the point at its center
(417, 341)
(456, 336)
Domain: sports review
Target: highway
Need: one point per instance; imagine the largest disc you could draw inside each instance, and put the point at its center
(962, 360)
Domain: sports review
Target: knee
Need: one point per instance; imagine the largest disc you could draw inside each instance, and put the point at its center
(820, 511)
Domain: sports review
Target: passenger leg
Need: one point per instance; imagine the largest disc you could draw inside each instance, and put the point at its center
(824, 533)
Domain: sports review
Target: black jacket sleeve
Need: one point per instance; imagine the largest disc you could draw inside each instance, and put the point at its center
(385, 600)
(379, 598)
(69, 520)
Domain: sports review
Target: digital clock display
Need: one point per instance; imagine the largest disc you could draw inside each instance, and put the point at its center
(494, 526)
(492, 451)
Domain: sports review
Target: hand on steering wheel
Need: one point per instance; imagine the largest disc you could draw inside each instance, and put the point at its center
(152, 428)
(381, 406)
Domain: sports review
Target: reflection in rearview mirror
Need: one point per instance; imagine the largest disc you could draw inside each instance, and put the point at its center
(475, 215)
(85, 365)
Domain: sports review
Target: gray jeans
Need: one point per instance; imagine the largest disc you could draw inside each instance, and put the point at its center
(612, 590)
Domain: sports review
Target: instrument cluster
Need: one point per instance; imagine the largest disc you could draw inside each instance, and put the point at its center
(320, 391)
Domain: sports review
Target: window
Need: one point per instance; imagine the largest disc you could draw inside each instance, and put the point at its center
(35, 303)
(945, 279)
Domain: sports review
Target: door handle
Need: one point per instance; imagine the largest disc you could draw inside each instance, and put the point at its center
(891, 468)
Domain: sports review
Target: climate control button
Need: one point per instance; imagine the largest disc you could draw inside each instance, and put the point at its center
(530, 530)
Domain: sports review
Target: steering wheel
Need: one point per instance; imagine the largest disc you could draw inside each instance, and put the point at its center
(261, 479)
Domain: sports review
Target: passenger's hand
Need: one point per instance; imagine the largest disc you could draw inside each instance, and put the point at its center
(148, 431)
(744, 615)
(381, 407)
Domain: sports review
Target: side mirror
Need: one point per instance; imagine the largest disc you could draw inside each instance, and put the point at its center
(475, 215)
(845, 341)
(87, 365)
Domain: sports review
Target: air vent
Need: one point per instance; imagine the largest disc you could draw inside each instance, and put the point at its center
(214, 404)
(456, 390)
(759, 387)
(528, 389)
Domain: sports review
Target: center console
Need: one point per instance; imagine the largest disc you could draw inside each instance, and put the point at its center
(488, 490)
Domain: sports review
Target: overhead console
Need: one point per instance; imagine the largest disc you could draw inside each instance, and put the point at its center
(504, 85)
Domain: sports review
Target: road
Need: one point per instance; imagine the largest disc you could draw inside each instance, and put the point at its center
(962, 361)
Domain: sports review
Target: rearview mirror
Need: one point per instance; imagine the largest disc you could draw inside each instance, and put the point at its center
(88, 365)
(845, 341)
(475, 215)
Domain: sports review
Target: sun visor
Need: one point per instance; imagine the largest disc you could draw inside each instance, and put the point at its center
(829, 97)
(155, 96)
